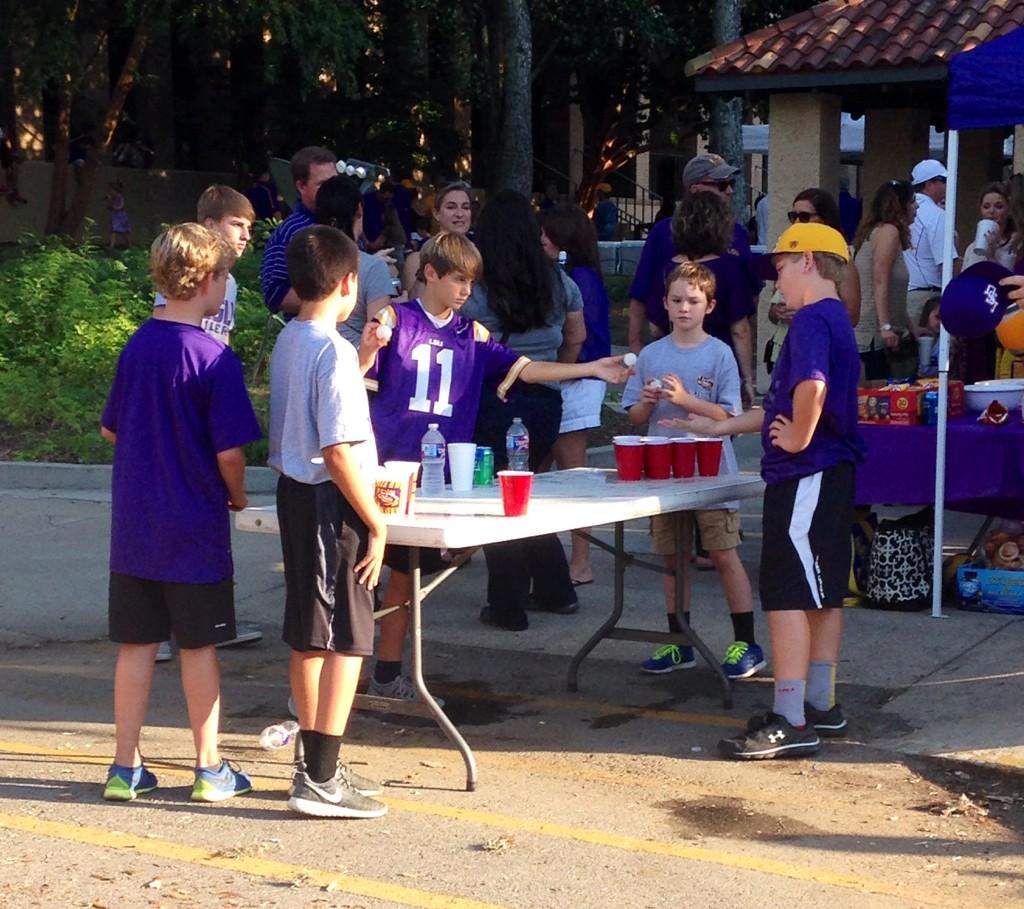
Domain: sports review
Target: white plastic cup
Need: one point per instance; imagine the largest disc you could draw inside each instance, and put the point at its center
(985, 227)
(462, 462)
(924, 351)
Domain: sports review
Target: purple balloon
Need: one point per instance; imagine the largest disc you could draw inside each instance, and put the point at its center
(974, 303)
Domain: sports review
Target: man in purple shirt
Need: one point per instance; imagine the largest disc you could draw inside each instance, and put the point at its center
(704, 173)
(311, 168)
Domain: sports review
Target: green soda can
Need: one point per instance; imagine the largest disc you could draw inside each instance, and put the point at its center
(483, 471)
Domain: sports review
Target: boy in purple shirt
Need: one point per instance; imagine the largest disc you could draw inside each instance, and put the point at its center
(811, 445)
(179, 415)
(432, 369)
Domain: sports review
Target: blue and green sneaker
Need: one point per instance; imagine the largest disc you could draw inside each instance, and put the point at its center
(215, 784)
(127, 783)
(742, 660)
(668, 659)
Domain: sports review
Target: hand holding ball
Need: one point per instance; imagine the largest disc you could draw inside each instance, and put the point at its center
(629, 360)
(384, 333)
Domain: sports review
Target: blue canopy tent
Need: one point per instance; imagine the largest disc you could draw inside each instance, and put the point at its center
(984, 92)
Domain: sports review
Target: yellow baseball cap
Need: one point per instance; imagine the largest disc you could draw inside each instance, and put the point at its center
(812, 238)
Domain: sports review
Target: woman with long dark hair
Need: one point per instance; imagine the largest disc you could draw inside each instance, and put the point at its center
(881, 238)
(567, 229)
(527, 303)
(702, 229)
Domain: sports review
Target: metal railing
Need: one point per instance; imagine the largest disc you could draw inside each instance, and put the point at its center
(636, 211)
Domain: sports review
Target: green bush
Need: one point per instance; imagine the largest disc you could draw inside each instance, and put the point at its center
(65, 314)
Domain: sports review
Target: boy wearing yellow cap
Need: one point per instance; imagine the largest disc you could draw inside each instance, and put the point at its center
(811, 446)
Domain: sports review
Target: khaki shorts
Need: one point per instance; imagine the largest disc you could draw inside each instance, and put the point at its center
(719, 529)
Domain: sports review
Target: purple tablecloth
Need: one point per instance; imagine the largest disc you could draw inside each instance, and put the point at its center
(984, 466)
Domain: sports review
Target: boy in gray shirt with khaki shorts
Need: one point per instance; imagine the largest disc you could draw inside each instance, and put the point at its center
(695, 374)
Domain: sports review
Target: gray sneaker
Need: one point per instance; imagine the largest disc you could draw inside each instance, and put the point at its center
(400, 688)
(336, 797)
(362, 784)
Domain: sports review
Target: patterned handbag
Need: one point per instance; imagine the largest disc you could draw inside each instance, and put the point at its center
(900, 566)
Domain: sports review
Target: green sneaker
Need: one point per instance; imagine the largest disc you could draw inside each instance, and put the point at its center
(127, 783)
(668, 659)
(215, 784)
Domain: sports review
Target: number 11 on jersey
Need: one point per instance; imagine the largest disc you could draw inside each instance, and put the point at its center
(425, 356)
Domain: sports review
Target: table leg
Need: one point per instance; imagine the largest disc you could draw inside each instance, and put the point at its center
(613, 619)
(682, 551)
(417, 673)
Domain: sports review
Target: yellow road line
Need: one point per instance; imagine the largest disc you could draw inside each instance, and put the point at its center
(504, 822)
(250, 865)
(580, 706)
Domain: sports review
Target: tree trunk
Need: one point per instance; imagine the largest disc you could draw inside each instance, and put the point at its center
(59, 178)
(727, 113)
(515, 164)
(71, 225)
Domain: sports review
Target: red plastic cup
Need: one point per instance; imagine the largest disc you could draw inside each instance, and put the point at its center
(684, 457)
(709, 456)
(515, 491)
(629, 457)
(657, 457)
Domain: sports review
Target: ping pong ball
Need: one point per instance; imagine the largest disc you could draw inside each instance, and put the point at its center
(384, 332)
(629, 359)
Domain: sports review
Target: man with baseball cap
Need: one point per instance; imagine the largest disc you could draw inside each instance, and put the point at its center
(927, 233)
(703, 173)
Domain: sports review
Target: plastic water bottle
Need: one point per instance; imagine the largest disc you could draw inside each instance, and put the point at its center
(279, 735)
(563, 260)
(432, 456)
(517, 446)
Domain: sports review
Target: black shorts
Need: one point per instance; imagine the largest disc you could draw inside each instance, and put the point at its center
(397, 559)
(805, 552)
(322, 539)
(141, 611)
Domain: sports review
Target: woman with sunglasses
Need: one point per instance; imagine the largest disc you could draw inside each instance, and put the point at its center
(881, 238)
(816, 206)
(453, 212)
(812, 206)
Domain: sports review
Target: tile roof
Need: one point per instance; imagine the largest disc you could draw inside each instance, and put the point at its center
(847, 35)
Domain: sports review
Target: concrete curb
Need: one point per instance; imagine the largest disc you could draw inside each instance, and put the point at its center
(36, 475)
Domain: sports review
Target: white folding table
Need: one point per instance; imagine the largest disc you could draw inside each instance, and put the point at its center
(561, 501)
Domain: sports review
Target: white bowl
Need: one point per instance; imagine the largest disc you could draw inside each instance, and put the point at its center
(1007, 392)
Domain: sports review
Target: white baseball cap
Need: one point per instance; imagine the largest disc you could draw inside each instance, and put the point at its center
(927, 170)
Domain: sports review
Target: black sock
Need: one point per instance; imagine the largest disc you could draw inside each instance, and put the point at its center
(310, 747)
(673, 621)
(321, 755)
(743, 627)
(387, 671)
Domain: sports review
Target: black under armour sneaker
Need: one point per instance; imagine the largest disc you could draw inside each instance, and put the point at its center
(829, 723)
(770, 736)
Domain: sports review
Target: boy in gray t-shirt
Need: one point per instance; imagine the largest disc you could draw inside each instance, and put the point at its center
(332, 533)
(689, 372)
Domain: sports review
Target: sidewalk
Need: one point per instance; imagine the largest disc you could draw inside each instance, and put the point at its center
(911, 684)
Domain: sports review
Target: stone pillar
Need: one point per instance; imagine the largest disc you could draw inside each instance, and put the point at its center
(981, 162)
(895, 139)
(803, 151)
(1018, 150)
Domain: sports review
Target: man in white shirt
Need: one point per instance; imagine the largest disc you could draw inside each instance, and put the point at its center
(927, 233)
